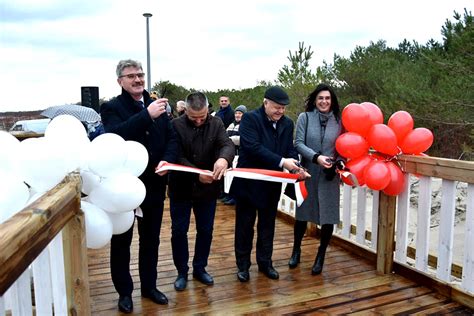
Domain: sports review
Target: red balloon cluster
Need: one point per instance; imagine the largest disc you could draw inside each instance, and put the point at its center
(365, 129)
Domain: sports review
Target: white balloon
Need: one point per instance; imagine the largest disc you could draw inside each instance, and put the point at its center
(13, 195)
(85, 156)
(89, 181)
(9, 153)
(64, 128)
(43, 164)
(121, 222)
(98, 226)
(137, 158)
(119, 193)
(109, 154)
(68, 133)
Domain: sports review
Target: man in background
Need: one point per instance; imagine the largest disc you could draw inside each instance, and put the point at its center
(225, 113)
(135, 116)
(180, 107)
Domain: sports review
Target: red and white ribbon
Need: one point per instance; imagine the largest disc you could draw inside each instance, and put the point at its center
(350, 176)
(176, 167)
(248, 173)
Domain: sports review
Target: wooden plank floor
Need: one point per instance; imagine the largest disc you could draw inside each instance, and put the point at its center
(348, 284)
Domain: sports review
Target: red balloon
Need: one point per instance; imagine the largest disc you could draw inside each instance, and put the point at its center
(383, 139)
(351, 145)
(417, 141)
(375, 114)
(356, 118)
(401, 123)
(377, 175)
(357, 167)
(397, 180)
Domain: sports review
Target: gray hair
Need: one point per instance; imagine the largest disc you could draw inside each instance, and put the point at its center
(180, 105)
(196, 101)
(127, 63)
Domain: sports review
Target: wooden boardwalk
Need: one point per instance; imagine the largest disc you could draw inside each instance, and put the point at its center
(348, 285)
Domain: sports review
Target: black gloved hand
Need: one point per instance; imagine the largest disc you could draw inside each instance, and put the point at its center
(330, 173)
(340, 165)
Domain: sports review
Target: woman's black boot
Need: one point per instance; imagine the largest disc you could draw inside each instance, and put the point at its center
(295, 258)
(299, 230)
(326, 234)
(319, 262)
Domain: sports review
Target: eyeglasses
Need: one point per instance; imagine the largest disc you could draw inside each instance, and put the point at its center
(140, 75)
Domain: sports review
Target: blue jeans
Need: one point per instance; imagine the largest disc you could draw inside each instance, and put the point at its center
(204, 213)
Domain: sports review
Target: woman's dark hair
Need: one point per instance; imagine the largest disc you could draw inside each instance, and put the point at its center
(310, 100)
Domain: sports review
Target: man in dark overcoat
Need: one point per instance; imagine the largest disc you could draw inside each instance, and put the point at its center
(266, 142)
(135, 116)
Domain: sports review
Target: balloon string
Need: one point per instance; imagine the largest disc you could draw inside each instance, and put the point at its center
(395, 159)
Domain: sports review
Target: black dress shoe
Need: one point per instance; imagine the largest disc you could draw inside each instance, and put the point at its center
(295, 259)
(125, 304)
(203, 277)
(270, 272)
(243, 275)
(181, 282)
(156, 296)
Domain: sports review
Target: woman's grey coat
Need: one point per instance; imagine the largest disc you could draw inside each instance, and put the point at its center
(322, 204)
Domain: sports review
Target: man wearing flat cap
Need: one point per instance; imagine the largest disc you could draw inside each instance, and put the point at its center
(266, 142)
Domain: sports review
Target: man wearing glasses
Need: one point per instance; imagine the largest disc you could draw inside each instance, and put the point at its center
(135, 116)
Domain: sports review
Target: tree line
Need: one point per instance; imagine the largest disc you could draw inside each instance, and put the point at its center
(434, 82)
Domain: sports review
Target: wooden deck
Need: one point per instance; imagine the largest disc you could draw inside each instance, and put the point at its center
(348, 284)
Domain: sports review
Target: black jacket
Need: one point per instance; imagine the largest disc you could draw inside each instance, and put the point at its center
(226, 115)
(263, 147)
(199, 147)
(123, 116)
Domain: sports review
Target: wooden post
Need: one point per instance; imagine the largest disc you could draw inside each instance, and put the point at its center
(76, 269)
(386, 233)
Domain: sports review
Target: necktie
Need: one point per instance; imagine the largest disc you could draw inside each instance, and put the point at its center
(140, 104)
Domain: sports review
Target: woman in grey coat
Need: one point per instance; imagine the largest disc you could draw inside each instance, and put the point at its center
(316, 132)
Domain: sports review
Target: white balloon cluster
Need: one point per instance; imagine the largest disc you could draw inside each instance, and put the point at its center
(109, 168)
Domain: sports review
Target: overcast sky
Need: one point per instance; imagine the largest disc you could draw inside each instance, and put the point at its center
(50, 48)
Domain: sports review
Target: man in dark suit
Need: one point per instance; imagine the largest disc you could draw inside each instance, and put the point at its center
(266, 142)
(135, 116)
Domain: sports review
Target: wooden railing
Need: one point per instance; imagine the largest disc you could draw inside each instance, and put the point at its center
(27, 234)
(385, 240)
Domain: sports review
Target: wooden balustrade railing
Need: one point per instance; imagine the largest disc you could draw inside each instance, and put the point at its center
(388, 243)
(24, 236)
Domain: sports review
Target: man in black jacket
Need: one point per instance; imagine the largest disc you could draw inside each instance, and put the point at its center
(203, 144)
(225, 113)
(135, 116)
(266, 142)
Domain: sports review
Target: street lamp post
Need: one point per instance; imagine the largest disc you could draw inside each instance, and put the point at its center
(148, 71)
